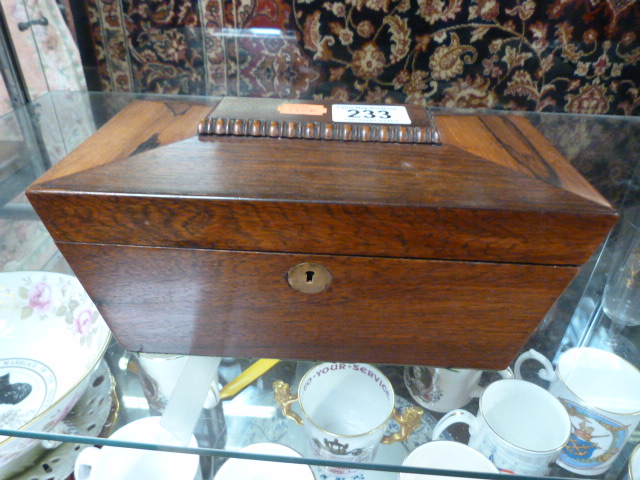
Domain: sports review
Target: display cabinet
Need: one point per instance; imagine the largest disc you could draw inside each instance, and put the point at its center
(126, 386)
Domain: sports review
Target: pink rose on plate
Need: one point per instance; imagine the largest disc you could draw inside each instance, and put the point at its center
(83, 321)
(40, 298)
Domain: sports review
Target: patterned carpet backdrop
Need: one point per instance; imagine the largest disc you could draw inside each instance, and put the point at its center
(576, 56)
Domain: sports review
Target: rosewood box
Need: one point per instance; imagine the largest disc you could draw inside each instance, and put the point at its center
(307, 230)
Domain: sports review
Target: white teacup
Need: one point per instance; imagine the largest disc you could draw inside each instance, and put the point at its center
(601, 392)
(446, 455)
(239, 468)
(118, 463)
(445, 389)
(520, 427)
(345, 411)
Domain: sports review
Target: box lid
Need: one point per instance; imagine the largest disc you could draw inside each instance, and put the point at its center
(493, 189)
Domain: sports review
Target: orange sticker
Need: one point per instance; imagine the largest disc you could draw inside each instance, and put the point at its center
(302, 109)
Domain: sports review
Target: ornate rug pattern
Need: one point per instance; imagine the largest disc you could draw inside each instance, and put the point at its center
(578, 56)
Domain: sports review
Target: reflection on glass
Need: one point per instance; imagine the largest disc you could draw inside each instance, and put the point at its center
(621, 300)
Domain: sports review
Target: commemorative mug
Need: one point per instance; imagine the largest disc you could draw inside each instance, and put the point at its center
(445, 389)
(520, 427)
(446, 455)
(117, 463)
(601, 392)
(345, 409)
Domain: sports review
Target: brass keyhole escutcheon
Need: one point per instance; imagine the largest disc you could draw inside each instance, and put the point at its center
(309, 278)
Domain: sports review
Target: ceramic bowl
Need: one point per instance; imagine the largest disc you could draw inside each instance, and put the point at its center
(51, 340)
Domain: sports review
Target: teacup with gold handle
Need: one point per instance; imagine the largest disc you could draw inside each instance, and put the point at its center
(345, 409)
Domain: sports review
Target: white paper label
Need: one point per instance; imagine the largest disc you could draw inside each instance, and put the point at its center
(391, 114)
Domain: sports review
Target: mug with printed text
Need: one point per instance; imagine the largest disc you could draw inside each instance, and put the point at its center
(345, 409)
(601, 392)
(520, 427)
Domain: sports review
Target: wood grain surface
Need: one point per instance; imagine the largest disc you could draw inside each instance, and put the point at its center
(415, 201)
(142, 125)
(514, 142)
(223, 303)
(444, 255)
(323, 228)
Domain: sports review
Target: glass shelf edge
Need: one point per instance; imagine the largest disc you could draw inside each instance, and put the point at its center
(262, 457)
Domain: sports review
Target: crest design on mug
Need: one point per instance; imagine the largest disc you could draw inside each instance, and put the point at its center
(594, 440)
(336, 448)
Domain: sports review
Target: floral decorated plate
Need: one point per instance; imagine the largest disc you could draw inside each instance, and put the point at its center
(51, 340)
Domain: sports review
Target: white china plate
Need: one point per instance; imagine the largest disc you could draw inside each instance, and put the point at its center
(88, 418)
(52, 339)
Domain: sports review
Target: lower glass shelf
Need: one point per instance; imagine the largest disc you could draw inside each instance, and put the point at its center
(122, 392)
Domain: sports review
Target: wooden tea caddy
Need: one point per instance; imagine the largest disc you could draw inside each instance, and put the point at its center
(279, 232)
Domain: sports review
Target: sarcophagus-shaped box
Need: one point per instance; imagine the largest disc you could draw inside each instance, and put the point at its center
(292, 229)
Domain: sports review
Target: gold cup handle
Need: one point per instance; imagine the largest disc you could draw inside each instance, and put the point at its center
(285, 399)
(409, 422)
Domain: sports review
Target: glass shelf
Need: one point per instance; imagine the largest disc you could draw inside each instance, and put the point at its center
(253, 416)
(64, 120)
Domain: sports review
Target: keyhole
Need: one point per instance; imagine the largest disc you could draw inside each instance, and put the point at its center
(309, 277)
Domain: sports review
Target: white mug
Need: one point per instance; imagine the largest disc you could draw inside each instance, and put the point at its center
(119, 463)
(243, 469)
(446, 455)
(345, 411)
(601, 392)
(520, 427)
(445, 389)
